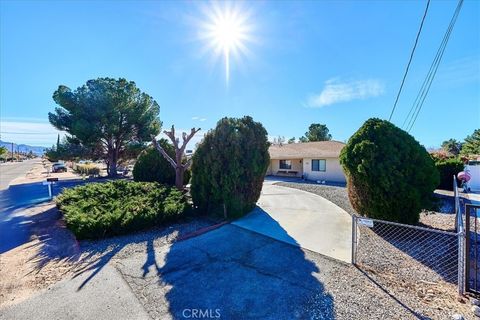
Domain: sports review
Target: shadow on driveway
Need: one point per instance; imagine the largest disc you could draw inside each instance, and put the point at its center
(230, 273)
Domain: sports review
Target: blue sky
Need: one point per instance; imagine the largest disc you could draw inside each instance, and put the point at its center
(337, 63)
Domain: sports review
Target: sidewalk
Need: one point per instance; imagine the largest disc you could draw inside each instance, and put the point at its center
(106, 295)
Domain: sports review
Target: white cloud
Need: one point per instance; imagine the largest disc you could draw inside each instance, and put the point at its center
(336, 91)
(199, 118)
(29, 132)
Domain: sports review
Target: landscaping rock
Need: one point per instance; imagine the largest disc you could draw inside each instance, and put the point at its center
(475, 302)
(457, 316)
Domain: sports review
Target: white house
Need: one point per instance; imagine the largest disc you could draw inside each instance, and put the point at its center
(310, 160)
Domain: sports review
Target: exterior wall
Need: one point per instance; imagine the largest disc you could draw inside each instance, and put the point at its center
(333, 171)
(274, 167)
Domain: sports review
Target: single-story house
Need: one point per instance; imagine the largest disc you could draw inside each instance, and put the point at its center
(311, 160)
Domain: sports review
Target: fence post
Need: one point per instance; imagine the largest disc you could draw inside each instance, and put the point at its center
(461, 263)
(354, 239)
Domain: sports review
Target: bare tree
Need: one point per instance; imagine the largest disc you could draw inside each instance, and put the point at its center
(179, 153)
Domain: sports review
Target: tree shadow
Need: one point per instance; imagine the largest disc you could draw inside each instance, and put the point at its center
(57, 246)
(231, 273)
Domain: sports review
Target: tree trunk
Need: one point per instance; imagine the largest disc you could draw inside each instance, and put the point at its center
(179, 171)
(112, 164)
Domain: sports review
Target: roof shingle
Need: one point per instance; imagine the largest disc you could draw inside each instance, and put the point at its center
(317, 149)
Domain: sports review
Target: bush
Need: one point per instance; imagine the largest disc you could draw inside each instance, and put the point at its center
(87, 169)
(447, 168)
(98, 210)
(151, 166)
(229, 167)
(390, 175)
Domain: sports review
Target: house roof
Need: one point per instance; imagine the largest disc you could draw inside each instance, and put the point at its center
(317, 149)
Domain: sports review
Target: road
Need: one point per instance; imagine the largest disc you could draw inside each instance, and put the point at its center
(14, 224)
(11, 170)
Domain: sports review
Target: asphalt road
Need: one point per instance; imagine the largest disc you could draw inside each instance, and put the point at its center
(11, 170)
(14, 224)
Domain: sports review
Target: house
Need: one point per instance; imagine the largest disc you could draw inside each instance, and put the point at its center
(315, 161)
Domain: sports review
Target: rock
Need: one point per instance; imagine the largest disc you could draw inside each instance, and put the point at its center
(457, 316)
(476, 310)
(475, 302)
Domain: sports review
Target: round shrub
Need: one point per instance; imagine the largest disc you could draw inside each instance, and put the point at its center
(447, 168)
(229, 167)
(390, 175)
(151, 166)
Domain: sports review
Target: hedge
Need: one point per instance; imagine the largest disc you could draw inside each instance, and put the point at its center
(447, 168)
(390, 176)
(229, 167)
(98, 210)
(87, 169)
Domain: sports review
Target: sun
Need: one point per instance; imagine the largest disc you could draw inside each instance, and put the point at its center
(227, 32)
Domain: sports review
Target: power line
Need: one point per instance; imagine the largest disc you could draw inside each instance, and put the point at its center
(409, 61)
(420, 99)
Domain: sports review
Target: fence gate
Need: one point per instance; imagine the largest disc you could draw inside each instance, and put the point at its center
(472, 248)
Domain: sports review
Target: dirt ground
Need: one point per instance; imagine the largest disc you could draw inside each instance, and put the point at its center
(28, 268)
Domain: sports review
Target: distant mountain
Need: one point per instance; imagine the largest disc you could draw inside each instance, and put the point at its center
(23, 148)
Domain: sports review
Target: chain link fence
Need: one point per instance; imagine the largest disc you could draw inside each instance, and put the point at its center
(410, 254)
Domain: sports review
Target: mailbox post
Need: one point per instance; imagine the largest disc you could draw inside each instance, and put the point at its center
(49, 183)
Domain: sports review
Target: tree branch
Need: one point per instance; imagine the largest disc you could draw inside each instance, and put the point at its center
(163, 152)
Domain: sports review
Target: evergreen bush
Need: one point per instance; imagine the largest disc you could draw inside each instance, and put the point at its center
(390, 175)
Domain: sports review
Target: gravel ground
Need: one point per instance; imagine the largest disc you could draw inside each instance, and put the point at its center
(419, 269)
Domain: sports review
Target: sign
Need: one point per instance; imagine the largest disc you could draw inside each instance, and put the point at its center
(365, 222)
(52, 179)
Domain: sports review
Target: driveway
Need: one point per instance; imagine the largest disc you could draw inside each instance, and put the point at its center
(302, 219)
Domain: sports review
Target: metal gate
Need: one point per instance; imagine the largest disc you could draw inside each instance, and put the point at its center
(472, 248)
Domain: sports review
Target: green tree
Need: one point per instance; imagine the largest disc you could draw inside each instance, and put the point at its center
(151, 166)
(229, 166)
(452, 146)
(291, 140)
(471, 146)
(3, 152)
(390, 175)
(106, 114)
(316, 132)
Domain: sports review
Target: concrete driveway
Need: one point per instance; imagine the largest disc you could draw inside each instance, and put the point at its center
(302, 219)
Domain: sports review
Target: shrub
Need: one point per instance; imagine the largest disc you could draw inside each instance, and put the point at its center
(447, 168)
(229, 167)
(151, 166)
(87, 169)
(98, 210)
(390, 175)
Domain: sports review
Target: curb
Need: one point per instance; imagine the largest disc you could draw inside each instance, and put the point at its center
(201, 231)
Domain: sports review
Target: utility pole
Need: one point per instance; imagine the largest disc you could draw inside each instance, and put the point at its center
(12, 151)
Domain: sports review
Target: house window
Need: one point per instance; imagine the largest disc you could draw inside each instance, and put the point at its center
(319, 165)
(285, 164)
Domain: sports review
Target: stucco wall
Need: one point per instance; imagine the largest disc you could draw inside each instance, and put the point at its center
(333, 172)
(275, 167)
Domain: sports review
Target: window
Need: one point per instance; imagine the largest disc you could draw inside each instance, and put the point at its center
(285, 164)
(319, 165)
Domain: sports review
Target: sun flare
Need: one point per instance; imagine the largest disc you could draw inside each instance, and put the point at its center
(227, 32)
